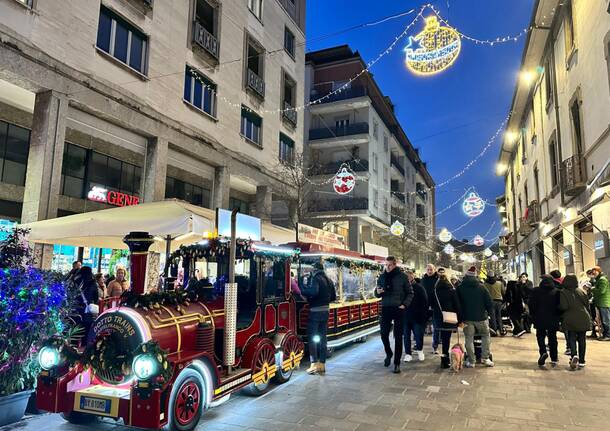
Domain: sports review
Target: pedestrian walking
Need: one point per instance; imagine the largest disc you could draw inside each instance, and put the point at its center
(515, 307)
(320, 292)
(495, 289)
(429, 281)
(396, 294)
(446, 315)
(544, 309)
(416, 316)
(476, 306)
(601, 298)
(527, 287)
(576, 319)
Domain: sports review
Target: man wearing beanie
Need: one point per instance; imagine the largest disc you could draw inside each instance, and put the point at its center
(476, 306)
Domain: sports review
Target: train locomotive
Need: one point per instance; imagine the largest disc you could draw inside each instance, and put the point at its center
(159, 360)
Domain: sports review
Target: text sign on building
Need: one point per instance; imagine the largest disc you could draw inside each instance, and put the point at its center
(112, 197)
(314, 235)
(246, 227)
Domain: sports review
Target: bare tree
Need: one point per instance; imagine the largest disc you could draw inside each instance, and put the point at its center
(295, 188)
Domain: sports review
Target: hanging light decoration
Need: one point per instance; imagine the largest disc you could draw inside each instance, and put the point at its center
(501, 253)
(397, 228)
(487, 252)
(434, 49)
(444, 235)
(473, 205)
(344, 181)
(478, 241)
(449, 249)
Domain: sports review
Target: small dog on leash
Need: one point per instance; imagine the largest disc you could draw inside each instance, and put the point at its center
(457, 357)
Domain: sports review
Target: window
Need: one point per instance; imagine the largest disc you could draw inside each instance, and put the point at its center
(251, 126)
(112, 173)
(375, 198)
(205, 28)
(286, 149)
(375, 129)
(256, 7)
(386, 175)
(548, 82)
(255, 67)
(205, 15)
(73, 171)
(375, 162)
(341, 123)
(568, 27)
(200, 91)
(554, 162)
(289, 45)
(14, 151)
(196, 195)
(122, 40)
(385, 206)
(27, 3)
(576, 127)
(536, 185)
(242, 206)
(386, 145)
(527, 197)
(289, 90)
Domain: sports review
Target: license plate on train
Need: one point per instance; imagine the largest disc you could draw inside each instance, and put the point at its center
(95, 405)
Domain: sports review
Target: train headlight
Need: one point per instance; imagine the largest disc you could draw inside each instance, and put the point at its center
(48, 357)
(145, 366)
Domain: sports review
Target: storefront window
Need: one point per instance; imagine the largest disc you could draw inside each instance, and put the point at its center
(242, 206)
(6, 226)
(73, 171)
(174, 188)
(114, 174)
(14, 150)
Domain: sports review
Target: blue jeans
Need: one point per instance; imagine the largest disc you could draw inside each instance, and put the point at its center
(317, 326)
(604, 313)
(418, 331)
(496, 316)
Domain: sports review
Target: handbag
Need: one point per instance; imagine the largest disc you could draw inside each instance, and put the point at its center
(448, 316)
(90, 308)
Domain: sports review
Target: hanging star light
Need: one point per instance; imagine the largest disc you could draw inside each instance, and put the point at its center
(487, 252)
(473, 205)
(444, 235)
(397, 228)
(434, 49)
(449, 249)
(478, 241)
(344, 181)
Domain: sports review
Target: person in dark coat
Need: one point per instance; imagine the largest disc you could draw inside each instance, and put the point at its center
(396, 294)
(444, 299)
(544, 309)
(576, 320)
(416, 316)
(88, 299)
(527, 287)
(514, 307)
(429, 282)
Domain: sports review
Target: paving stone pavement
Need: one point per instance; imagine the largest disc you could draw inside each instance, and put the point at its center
(359, 394)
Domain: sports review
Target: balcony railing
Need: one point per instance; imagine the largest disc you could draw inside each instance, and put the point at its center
(206, 40)
(573, 175)
(289, 113)
(331, 132)
(332, 168)
(256, 83)
(400, 196)
(318, 96)
(328, 205)
(394, 162)
(532, 214)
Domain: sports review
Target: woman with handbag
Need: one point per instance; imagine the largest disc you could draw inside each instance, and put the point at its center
(89, 297)
(446, 314)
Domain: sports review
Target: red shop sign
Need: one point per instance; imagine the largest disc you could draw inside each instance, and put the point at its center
(112, 197)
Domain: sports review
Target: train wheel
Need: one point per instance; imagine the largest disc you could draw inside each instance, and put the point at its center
(79, 418)
(263, 369)
(293, 350)
(187, 401)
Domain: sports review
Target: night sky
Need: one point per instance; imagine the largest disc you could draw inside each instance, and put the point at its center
(450, 117)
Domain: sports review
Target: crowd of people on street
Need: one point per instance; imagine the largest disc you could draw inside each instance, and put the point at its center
(558, 304)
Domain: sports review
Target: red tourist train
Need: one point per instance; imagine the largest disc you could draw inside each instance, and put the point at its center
(161, 359)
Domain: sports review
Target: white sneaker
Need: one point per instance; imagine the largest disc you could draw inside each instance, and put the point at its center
(408, 358)
(468, 364)
(488, 363)
(420, 355)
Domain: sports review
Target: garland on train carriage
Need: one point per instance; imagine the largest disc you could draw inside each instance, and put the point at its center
(211, 248)
(353, 264)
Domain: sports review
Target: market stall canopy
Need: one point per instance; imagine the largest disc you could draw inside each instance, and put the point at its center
(184, 222)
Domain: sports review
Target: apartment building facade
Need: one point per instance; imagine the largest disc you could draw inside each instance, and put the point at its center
(147, 100)
(357, 127)
(556, 153)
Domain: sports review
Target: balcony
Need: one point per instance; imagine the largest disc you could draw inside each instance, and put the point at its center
(333, 168)
(532, 214)
(333, 205)
(255, 83)
(395, 163)
(318, 96)
(206, 40)
(399, 196)
(332, 132)
(289, 113)
(573, 175)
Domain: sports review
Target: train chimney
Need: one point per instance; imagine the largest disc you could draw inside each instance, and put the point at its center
(138, 243)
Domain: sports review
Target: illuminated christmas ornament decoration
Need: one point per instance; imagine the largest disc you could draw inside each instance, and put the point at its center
(478, 241)
(449, 249)
(444, 235)
(397, 228)
(494, 258)
(434, 49)
(344, 181)
(473, 205)
(487, 252)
